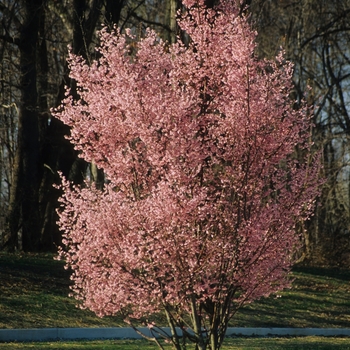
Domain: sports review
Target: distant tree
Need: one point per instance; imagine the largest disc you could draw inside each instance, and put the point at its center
(315, 35)
(34, 35)
(205, 186)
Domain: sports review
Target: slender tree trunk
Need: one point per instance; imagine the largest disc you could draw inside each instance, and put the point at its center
(14, 214)
(197, 325)
(172, 6)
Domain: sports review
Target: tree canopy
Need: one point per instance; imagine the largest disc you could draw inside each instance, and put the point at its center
(209, 169)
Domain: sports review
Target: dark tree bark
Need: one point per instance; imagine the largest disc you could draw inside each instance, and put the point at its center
(29, 122)
(113, 11)
(58, 154)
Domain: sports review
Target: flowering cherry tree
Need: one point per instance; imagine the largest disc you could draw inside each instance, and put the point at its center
(209, 171)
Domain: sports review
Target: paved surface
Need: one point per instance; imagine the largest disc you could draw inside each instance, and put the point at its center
(46, 334)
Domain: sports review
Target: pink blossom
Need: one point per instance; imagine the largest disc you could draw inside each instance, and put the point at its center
(205, 186)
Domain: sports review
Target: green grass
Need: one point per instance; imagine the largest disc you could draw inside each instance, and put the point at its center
(319, 298)
(302, 343)
(34, 293)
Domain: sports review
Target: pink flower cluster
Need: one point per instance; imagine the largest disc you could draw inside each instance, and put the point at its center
(209, 170)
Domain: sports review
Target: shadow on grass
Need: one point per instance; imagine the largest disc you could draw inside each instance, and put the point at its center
(34, 290)
(319, 298)
(340, 274)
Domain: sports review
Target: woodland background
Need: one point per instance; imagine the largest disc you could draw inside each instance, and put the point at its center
(34, 35)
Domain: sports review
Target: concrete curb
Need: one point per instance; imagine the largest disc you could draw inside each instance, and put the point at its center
(49, 334)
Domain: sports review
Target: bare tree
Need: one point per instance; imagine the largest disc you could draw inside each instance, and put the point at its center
(315, 35)
(33, 46)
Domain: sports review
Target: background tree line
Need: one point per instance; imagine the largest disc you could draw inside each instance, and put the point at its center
(34, 35)
(33, 46)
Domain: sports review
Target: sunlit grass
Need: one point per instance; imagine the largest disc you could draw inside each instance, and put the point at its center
(300, 343)
(34, 294)
(319, 298)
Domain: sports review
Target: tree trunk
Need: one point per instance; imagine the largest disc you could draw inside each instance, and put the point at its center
(14, 214)
(29, 139)
(57, 153)
(24, 202)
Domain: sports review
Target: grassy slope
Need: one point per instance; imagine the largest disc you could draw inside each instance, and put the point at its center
(34, 289)
(319, 298)
(34, 293)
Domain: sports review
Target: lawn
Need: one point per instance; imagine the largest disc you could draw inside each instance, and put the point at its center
(319, 298)
(301, 343)
(34, 294)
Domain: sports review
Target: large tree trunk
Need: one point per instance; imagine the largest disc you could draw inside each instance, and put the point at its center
(23, 211)
(28, 119)
(57, 153)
